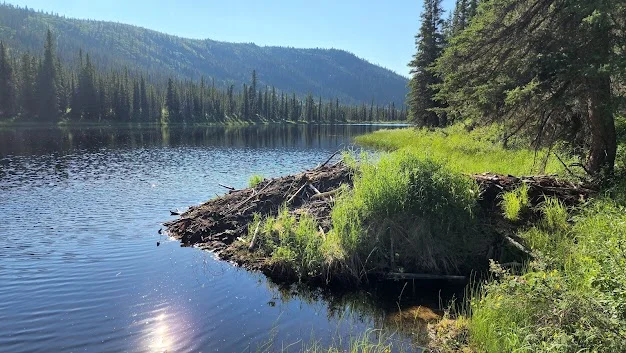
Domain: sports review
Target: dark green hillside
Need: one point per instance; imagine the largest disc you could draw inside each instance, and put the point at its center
(329, 73)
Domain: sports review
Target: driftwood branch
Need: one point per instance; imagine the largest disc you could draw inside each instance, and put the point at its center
(251, 196)
(253, 241)
(317, 192)
(329, 158)
(226, 187)
(324, 195)
(296, 194)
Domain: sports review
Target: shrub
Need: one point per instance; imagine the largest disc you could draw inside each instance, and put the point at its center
(572, 298)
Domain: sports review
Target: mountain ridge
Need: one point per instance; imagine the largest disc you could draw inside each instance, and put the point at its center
(331, 73)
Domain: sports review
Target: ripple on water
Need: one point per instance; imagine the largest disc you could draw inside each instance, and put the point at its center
(79, 265)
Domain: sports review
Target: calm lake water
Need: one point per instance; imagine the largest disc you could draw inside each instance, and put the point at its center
(79, 267)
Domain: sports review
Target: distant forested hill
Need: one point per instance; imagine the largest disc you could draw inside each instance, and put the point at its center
(329, 73)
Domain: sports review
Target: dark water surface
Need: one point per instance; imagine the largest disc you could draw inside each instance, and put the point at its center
(79, 267)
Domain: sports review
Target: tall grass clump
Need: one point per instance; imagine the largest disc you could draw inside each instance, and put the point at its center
(515, 203)
(255, 180)
(407, 214)
(296, 243)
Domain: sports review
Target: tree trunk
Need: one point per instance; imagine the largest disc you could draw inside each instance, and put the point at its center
(602, 126)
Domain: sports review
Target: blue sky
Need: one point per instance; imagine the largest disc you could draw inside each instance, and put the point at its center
(380, 31)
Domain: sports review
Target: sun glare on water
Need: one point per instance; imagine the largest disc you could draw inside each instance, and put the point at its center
(160, 341)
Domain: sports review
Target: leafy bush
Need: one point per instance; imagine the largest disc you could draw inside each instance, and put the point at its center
(572, 299)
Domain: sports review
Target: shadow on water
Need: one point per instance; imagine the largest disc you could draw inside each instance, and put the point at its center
(398, 310)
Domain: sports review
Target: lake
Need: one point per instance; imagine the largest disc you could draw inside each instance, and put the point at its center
(80, 269)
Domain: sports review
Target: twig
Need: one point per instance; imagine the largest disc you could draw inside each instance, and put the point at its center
(323, 195)
(331, 157)
(251, 196)
(296, 194)
(226, 186)
(567, 168)
(317, 192)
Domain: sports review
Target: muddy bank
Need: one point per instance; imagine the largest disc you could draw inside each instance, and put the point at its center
(223, 224)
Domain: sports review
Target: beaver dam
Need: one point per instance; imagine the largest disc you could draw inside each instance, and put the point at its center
(313, 227)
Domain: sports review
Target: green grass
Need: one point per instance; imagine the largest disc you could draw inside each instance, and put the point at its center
(296, 243)
(477, 151)
(572, 298)
(515, 203)
(407, 214)
(255, 180)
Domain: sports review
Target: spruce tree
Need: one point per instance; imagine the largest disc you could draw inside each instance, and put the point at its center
(539, 67)
(145, 105)
(429, 42)
(87, 95)
(47, 96)
(172, 104)
(7, 85)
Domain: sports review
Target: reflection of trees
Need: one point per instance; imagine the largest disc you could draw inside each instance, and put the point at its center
(403, 308)
(28, 141)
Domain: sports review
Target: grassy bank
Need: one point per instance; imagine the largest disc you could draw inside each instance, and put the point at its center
(464, 151)
(572, 296)
(401, 214)
(413, 209)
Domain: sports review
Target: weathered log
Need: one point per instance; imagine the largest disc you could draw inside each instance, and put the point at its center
(324, 195)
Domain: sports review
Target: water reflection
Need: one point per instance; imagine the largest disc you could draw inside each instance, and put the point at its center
(21, 141)
(79, 265)
(161, 339)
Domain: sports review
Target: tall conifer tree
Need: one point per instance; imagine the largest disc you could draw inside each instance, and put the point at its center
(430, 43)
(7, 85)
(47, 96)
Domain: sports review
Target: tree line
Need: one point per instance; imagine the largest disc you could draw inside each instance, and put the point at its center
(44, 89)
(551, 70)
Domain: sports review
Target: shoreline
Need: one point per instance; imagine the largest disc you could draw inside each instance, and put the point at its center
(112, 124)
(229, 224)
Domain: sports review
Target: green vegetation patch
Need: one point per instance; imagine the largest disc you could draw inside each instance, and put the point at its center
(407, 214)
(515, 203)
(476, 151)
(295, 243)
(572, 298)
(255, 180)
